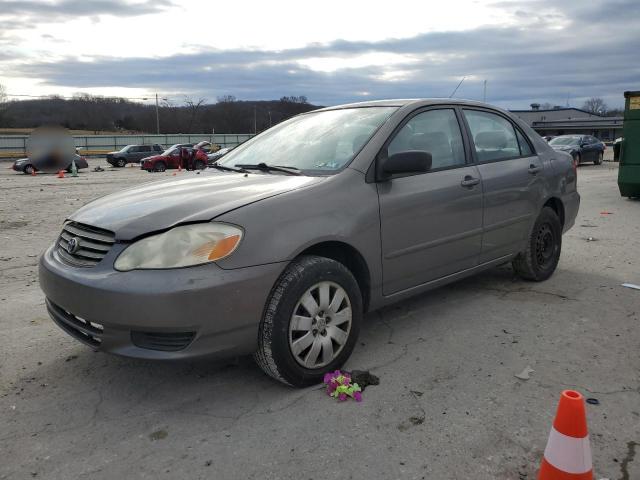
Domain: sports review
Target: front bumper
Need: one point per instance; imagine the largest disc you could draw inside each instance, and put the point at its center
(214, 312)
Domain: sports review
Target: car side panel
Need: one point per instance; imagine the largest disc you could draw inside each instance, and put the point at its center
(341, 208)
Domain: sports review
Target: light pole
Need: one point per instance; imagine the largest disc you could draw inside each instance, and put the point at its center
(157, 113)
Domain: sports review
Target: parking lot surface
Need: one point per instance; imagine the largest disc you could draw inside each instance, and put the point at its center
(448, 405)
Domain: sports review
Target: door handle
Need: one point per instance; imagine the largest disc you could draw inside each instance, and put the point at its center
(534, 169)
(469, 181)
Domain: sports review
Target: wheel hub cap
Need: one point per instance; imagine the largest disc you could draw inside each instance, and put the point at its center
(320, 325)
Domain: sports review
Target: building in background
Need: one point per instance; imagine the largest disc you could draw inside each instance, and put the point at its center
(568, 120)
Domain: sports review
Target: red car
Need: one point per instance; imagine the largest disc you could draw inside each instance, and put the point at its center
(170, 158)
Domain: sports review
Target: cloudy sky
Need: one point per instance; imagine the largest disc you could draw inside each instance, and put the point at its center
(331, 51)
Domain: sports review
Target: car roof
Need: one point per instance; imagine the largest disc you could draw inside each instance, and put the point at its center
(418, 102)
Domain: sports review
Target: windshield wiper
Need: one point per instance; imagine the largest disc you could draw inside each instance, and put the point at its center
(228, 169)
(269, 168)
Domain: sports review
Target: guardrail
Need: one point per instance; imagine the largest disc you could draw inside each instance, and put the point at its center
(15, 146)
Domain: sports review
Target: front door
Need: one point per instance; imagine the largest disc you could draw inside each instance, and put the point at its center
(431, 223)
(511, 175)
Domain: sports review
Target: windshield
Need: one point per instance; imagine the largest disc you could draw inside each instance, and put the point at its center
(125, 149)
(565, 141)
(171, 149)
(320, 142)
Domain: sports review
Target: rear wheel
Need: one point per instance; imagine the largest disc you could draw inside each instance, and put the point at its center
(311, 321)
(160, 167)
(200, 165)
(28, 169)
(540, 259)
(121, 162)
(598, 160)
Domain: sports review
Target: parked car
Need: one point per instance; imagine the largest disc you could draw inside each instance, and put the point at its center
(280, 248)
(170, 158)
(582, 148)
(48, 164)
(132, 154)
(548, 138)
(217, 155)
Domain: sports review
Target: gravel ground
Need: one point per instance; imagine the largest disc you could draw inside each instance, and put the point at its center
(448, 404)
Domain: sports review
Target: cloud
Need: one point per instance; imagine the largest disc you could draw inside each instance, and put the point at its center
(548, 55)
(80, 8)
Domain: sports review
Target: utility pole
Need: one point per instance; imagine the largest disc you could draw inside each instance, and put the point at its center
(484, 92)
(255, 119)
(157, 117)
(269, 118)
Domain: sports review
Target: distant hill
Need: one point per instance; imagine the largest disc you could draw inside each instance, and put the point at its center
(113, 115)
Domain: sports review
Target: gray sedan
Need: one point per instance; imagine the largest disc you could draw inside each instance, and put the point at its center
(280, 248)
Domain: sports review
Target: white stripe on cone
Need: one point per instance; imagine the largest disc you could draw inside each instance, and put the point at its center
(569, 454)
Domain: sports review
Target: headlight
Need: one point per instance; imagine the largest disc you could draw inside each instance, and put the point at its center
(181, 247)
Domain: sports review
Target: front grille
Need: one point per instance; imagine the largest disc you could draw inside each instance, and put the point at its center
(92, 244)
(167, 342)
(89, 333)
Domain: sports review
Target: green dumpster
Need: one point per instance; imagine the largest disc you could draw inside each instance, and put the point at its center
(629, 172)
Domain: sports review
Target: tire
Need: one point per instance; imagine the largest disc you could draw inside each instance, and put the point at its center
(121, 162)
(598, 160)
(28, 169)
(285, 311)
(199, 165)
(576, 159)
(538, 262)
(160, 167)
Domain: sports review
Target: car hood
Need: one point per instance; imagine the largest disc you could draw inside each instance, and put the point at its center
(194, 198)
(154, 157)
(563, 147)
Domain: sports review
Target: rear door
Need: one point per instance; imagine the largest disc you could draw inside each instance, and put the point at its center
(144, 151)
(511, 174)
(431, 223)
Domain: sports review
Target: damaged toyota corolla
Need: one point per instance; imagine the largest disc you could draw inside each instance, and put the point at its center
(279, 249)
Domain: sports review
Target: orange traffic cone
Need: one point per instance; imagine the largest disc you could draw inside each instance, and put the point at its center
(61, 174)
(568, 454)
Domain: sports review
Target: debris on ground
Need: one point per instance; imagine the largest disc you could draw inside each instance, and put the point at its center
(98, 169)
(340, 386)
(606, 213)
(591, 239)
(525, 374)
(593, 401)
(631, 285)
(363, 378)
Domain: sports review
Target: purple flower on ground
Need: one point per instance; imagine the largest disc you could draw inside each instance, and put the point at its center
(327, 378)
(342, 397)
(357, 396)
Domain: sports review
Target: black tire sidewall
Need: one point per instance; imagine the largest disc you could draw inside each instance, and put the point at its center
(199, 165)
(547, 216)
(322, 269)
(160, 167)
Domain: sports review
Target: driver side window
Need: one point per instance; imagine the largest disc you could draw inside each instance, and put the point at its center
(436, 132)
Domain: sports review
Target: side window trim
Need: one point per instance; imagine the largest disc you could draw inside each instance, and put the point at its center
(407, 119)
(472, 147)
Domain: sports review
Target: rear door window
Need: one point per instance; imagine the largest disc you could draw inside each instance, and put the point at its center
(525, 148)
(494, 137)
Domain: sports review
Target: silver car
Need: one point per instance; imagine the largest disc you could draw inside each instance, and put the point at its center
(281, 247)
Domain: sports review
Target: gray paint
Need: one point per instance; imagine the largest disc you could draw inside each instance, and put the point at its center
(415, 233)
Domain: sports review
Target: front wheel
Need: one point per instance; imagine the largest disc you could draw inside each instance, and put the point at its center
(160, 167)
(311, 321)
(28, 169)
(540, 259)
(598, 160)
(576, 159)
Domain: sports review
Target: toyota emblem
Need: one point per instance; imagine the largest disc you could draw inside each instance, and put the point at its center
(73, 245)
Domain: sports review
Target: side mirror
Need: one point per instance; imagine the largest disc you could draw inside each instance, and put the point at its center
(410, 161)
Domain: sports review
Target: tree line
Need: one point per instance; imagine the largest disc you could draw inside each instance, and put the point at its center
(99, 114)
